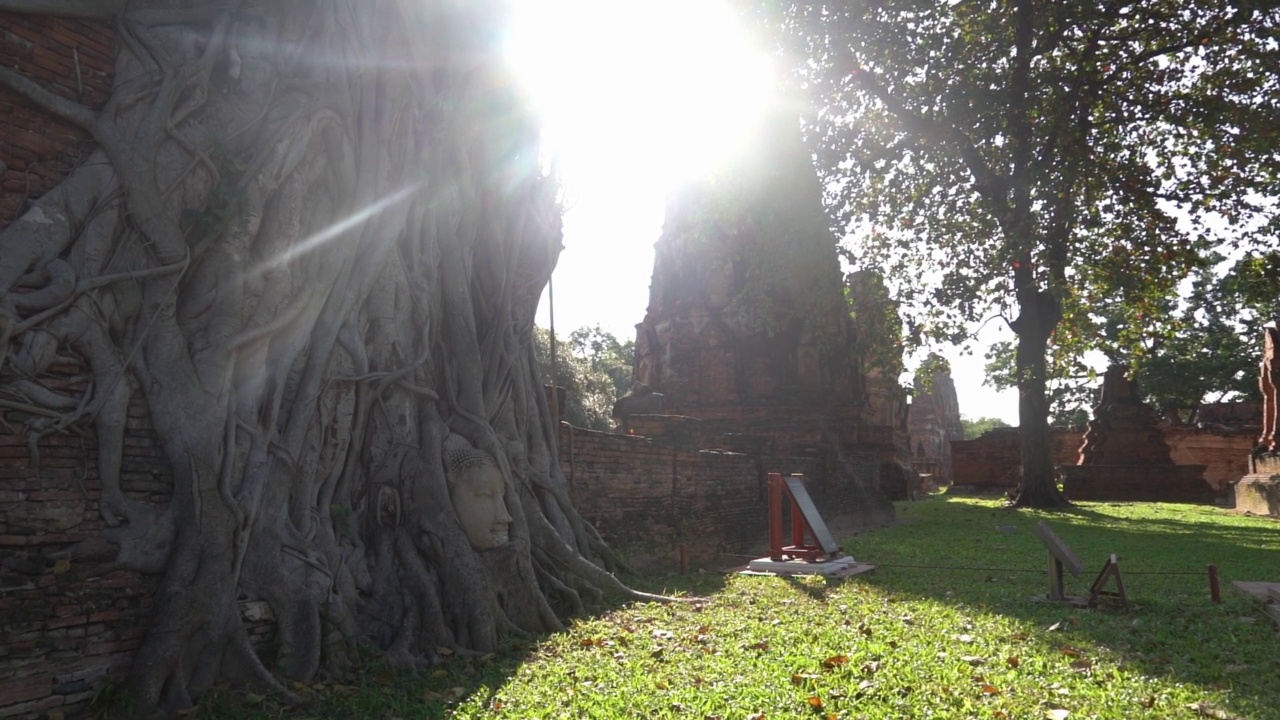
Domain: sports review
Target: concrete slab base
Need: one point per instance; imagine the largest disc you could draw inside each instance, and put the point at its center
(1259, 590)
(840, 567)
(1268, 592)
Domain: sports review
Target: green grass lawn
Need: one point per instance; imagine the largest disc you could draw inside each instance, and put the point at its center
(904, 641)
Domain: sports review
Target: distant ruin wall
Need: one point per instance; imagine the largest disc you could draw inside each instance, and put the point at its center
(1225, 453)
(992, 460)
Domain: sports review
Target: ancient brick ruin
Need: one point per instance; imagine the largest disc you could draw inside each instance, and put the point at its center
(1259, 490)
(1124, 456)
(935, 424)
(747, 328)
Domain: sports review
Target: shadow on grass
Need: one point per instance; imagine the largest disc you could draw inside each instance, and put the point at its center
(984, 558)
(375, 689)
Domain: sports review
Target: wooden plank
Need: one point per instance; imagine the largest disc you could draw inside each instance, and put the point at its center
(800, 496)
(1058, 547)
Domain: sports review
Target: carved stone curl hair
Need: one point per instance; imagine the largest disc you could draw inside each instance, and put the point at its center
(459, 455)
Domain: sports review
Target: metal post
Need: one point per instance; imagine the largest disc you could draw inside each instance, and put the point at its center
(775, 516)
(798, 525)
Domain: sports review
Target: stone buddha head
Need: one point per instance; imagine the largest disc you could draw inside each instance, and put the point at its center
(476, 489)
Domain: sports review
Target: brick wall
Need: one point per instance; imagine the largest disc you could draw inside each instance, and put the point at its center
(66, 622)
(69, 622)
(1224, 452)
(647, 496)
(70, 58)
(992, 461)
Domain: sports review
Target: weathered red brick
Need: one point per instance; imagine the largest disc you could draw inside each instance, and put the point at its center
(15, 692)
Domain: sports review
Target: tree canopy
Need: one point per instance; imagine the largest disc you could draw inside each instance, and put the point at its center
(1039, 160)
(1203, 348)
(974, 428)
(594, 369)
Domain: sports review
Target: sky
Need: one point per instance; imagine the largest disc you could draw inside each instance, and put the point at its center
(633, 104)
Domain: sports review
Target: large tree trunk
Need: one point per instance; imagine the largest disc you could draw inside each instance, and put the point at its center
(1039, 314)
(314, 238)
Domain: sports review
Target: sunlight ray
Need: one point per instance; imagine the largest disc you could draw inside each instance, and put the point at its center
(333, 231)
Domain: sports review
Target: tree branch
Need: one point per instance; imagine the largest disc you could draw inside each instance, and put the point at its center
(72, 112)
(990, 185)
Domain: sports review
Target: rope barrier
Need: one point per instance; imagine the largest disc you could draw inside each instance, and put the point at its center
(987, 569)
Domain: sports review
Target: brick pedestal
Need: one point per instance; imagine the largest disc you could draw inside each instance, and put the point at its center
(1259, 491)
(1258, 494)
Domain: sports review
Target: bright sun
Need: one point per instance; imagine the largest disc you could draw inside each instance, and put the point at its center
(639, 96)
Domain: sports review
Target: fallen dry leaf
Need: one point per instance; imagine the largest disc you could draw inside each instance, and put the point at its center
(815, 702)
(835, 661)
(1056, 714)
(990, 690)
(964, 638)
(803, 678)
(1012, 661)
(1070, 651)
(973, 660)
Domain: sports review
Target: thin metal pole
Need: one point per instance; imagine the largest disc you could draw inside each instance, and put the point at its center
(555, 377)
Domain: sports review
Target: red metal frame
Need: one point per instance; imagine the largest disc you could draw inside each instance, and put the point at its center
(798, 549)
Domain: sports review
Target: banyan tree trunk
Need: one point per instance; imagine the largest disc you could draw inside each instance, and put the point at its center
(313, 234)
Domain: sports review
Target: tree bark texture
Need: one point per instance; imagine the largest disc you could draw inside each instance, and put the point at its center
(313, 235)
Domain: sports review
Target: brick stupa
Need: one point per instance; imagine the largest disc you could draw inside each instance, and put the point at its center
(935, 423)
(1124, 455)
(747, 335)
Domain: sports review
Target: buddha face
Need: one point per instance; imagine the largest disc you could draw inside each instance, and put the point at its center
(477, 499)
